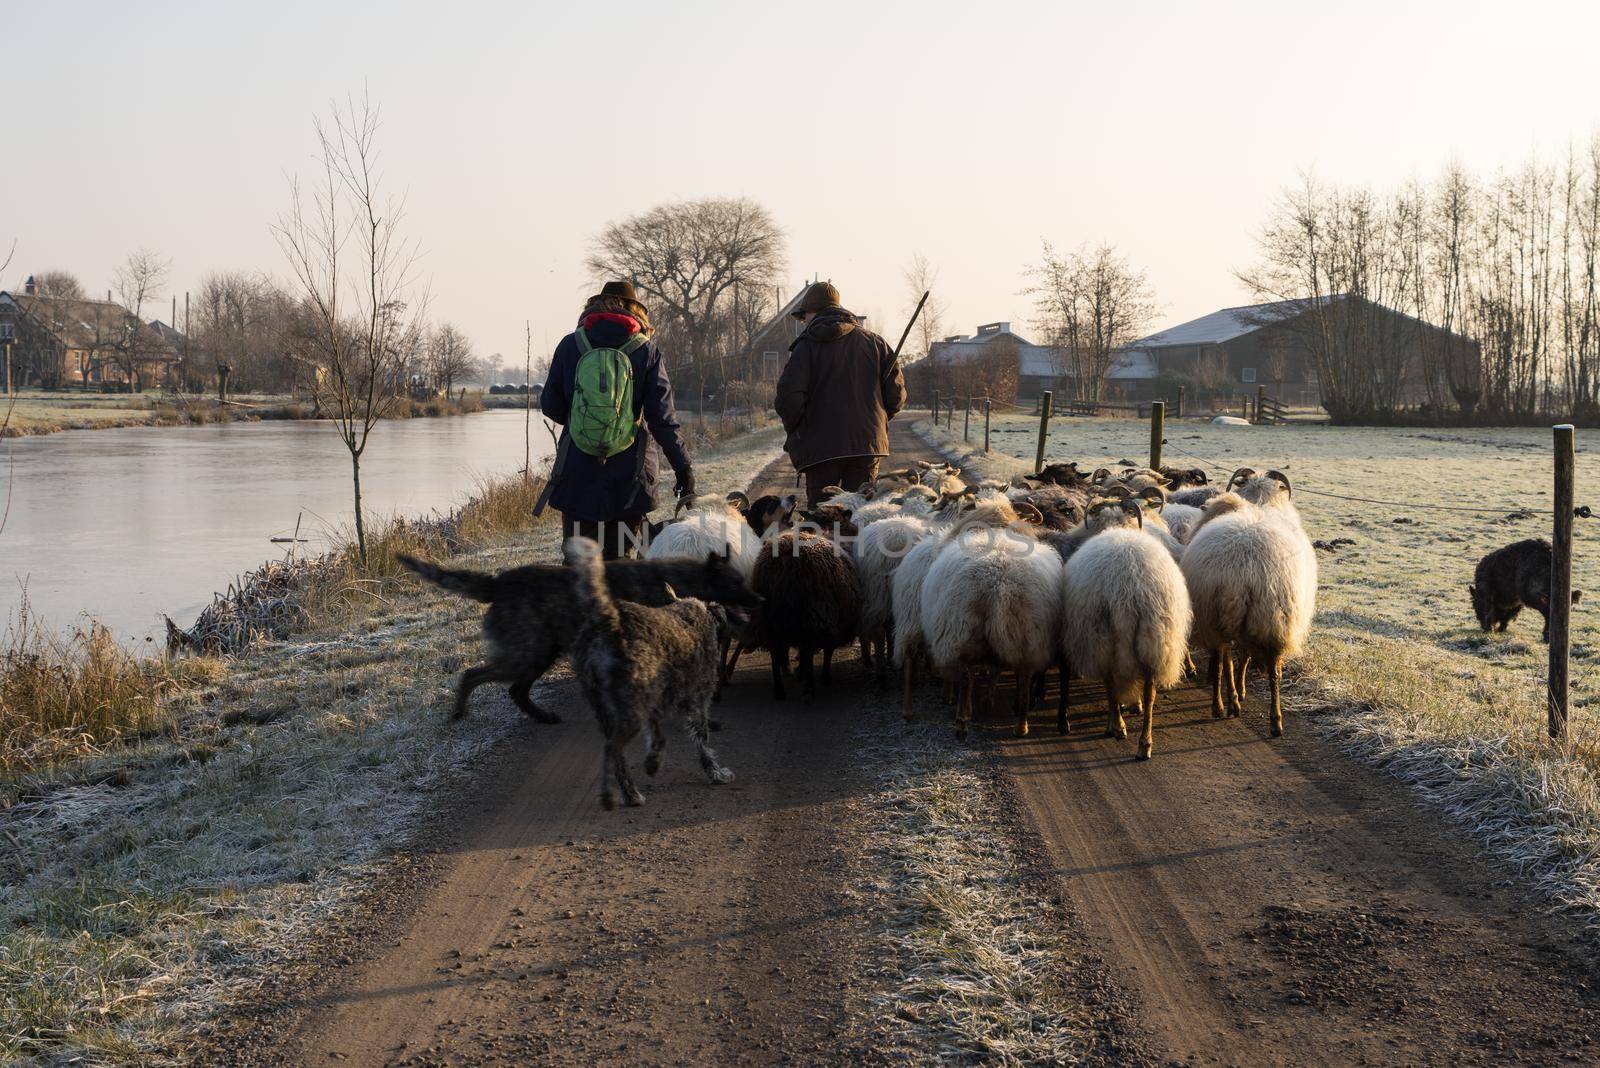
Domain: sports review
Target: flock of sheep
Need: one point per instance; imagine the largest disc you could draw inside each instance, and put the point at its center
(1113, 577)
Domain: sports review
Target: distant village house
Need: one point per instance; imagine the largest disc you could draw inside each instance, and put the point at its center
(59, 341)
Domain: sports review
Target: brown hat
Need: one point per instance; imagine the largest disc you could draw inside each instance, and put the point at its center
(623, 290)
(819, 296)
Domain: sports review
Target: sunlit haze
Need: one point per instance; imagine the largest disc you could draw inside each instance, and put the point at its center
(871, 131)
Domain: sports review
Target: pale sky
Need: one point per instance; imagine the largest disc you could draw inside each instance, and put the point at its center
(872, 131)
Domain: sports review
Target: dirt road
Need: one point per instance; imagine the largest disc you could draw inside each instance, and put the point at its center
(1255, 902)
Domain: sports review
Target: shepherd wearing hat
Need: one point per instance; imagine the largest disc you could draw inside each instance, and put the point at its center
(836, 395)
(607, 386)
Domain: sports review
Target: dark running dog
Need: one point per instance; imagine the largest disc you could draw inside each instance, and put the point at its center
(1509, 579)
(635, 664)
(531, 618)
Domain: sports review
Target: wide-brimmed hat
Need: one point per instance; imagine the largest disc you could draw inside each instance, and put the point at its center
(819, 296)
(621, 296)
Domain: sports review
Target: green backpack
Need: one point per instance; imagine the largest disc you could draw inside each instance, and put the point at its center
(602, 422)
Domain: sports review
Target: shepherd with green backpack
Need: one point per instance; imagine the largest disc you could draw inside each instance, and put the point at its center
(609, 389)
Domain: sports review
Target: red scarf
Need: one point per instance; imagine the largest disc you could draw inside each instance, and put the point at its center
(611, 317)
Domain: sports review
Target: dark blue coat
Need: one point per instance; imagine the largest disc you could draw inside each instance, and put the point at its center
(585, 488)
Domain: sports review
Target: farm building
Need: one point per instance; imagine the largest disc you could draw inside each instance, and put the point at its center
(1235, 350)
(59, 341)
(961, 364)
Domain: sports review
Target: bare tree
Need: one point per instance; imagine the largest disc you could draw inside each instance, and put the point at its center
(59, 283)
(449, 357)
(688, 260)
(140, 280)
(1089, 304)
(366, 304)
(921, 277)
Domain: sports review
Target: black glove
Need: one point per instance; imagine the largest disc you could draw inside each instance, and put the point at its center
(685, 486)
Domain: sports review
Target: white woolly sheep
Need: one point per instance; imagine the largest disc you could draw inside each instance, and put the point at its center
(992, 599)
(954, 515)
(1127, 620)
(1252, 578)
(879, 551)
(710, 526)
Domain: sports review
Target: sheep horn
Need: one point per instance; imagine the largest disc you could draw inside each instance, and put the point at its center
(1100, 474)
(740, 500)
(1154, 495)
(1283, 480)
(1197, 476)
(832, 491)
(1119, 491)
(1132, 509)
(1239, 477)
(1029, 512)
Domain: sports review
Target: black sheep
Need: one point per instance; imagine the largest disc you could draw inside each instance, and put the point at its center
(812, 596)
(1511, 579)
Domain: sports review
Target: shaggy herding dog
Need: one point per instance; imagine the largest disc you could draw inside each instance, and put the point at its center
(532, 612)
(635, 664)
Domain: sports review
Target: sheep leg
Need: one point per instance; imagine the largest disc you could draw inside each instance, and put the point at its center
(1217, 711)
(964, 709)
(807, 674)
(1063, 699)
(780, 657)
(949, 693)
(1240, 666)
(866, 653)
(732, 661)
(1148, 700)
(1190, 671)
(1116, 726)
(1023, 701)
(827, 666)
(1275, 677)
(991, 683)
(908, 674)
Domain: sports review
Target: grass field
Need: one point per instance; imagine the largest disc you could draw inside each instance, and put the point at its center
(1397, 664)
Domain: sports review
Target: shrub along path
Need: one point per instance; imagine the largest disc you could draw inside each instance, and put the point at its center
(1254, 901)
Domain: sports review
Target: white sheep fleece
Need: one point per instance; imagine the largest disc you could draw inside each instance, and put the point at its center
(1126, 612)
(874, 511)
(993, 596)
(713, 529)
(1252, 576)
(879, 551)
(906, 596)
(1269, 495)
(1181, 519)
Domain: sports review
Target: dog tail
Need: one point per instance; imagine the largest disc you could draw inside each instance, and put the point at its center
(589, 584)
(475, 584)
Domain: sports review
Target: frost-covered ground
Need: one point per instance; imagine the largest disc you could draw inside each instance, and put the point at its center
(1397, 664)
(150, 888)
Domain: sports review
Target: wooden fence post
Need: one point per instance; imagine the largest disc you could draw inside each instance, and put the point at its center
(986, 424)
(1044, 427)
(966, 422)
(1561, 583)
(1158, 424)
(1261, 401)
(935, 407)
(1177, 412)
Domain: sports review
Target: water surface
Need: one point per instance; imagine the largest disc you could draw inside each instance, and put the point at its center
(126, 525)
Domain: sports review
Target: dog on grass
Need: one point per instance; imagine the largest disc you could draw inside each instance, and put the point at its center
(637, 664)
(532, 614)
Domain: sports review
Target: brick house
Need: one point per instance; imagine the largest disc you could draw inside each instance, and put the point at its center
(60, 341)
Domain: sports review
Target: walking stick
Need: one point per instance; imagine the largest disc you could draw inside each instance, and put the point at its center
(911, 323)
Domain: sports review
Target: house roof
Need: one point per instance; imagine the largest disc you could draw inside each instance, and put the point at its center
(88, 324)
(1033, 360)
(1224, 325)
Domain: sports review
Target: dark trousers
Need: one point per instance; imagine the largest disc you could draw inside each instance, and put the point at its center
(617, 537)
(847, 472)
